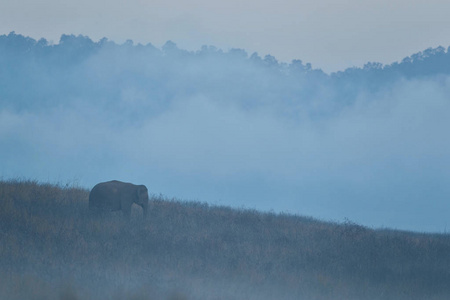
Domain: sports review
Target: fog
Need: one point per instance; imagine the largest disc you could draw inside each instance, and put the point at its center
(232, 128)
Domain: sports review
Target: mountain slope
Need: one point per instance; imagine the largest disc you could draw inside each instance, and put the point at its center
(52, 248)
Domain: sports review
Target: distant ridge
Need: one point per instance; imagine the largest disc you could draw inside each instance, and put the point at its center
(424, 63)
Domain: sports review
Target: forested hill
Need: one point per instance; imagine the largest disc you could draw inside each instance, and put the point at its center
(79, 68)
(52, 248)
(73, 49)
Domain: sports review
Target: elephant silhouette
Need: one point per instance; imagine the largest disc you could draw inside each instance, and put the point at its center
(118, 196)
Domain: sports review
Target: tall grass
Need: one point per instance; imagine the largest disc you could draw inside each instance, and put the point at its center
(51, 247)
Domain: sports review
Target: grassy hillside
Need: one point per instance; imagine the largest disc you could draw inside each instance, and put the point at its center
(52, 248)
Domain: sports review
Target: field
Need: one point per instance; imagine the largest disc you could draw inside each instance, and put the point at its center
(51, 247)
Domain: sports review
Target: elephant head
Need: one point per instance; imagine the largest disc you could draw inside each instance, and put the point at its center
(142, 199)
(118, 196)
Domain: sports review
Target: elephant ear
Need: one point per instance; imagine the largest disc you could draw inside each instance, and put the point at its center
(141, 190)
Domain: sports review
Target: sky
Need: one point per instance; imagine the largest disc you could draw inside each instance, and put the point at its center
(332, 35)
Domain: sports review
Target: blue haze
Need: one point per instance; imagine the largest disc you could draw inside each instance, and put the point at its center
(231, 128)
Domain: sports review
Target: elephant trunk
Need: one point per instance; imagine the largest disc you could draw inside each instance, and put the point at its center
(145, 209)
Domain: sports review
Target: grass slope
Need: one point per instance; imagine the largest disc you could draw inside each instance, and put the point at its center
(52, 248)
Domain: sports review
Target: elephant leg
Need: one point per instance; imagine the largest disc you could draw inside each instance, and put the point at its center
(95, 212)
(126, 210)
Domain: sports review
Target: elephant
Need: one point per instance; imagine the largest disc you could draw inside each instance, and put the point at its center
(118, 196)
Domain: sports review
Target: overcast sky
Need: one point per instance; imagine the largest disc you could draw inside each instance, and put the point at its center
(332, 35)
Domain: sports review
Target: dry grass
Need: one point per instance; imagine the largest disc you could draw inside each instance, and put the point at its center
(52, 248)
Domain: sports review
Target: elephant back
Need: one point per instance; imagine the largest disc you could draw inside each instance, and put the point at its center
(105, 196)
